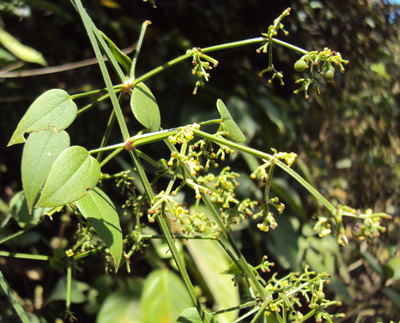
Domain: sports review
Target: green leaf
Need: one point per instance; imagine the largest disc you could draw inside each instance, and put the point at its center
(98, 209)
(21, 213)
(53, 109)
(191, 315)
(122, 306)
(72, 173)
(392, 268)
(211, 261)
(145, 108)
(23, 52)
(164, 297)
(228, 124)
(40, 152)
(121, 58)
(59, 292)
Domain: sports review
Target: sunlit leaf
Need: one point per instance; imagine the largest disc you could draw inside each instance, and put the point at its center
(164, 297)
(54, 109)
(211, 261)
(394, 265)
(144, 107)
(121, 58)
(228, 124)
(122, 306)
(191, 315)
(234, 132)
(73, 172)
(23, 52)
(40, 152)
(99, 210)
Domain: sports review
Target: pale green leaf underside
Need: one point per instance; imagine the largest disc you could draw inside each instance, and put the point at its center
(53, 109)
(40, 152)
(228, 124)
(144, 107)
(72, 173)
(164, 297)
(100, 212)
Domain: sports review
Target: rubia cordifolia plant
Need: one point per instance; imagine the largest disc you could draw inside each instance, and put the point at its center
(70, 179)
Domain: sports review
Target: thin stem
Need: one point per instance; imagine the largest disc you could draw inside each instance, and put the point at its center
(280, 164)
(88, 93)
(139, 46)
(118, 112)
(24, 255)
(189, 54)
(69, 288)
(260, 311)
(13, 299)
(165, 231)
(290, 46)
(139, 140)
(12, 236)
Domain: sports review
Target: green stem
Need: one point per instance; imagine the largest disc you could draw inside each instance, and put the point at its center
(106, 134)
(89, 29)
(170, 241)
(280, 164)
(13, 299)
(88, 93)
(138, 47)
(260, 311)
(189, 54)
(290, 46)
(240, 261)
(12, 236)
(69, 288)
(139, 140)
(23, 255)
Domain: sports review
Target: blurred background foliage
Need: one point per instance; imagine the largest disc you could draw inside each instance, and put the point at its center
(347, 139)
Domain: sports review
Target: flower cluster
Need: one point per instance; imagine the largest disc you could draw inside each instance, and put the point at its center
(201, 64)
(273, 30)
(369, 228)
(319, 63)
(261, 170)
(184, 134)
(267, 46)
(291, 288)
(207, 150)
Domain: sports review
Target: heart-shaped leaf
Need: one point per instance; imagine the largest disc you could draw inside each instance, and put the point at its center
(98, 209)
(53, 109)
(145, 108)
(228, 124)
(72, 173)
(40, 152)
